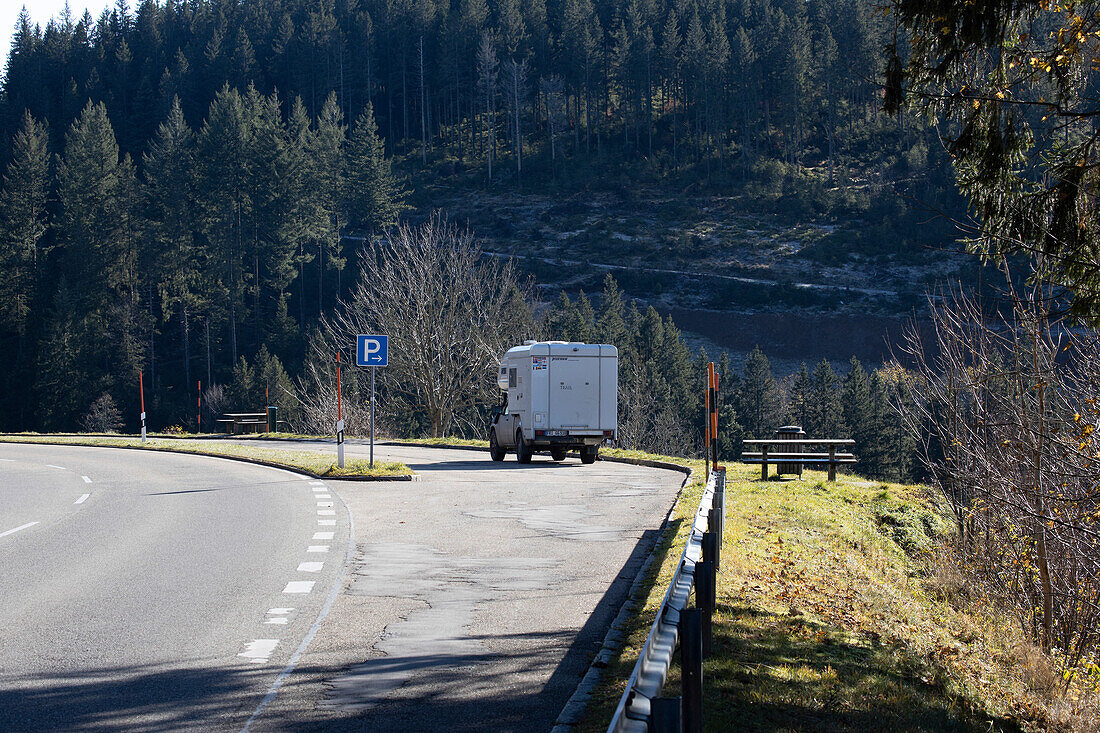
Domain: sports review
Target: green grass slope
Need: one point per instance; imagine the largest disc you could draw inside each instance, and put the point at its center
(837, 612)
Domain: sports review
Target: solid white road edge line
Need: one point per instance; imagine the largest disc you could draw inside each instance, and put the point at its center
(83, 498)
(13, 531)
(337, 584)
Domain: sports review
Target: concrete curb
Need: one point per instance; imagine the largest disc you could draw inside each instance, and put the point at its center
(241, 459)
(571, 713)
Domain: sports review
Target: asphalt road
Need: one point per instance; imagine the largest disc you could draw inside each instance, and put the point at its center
(475, 598)
(478, 596)
(148, 592)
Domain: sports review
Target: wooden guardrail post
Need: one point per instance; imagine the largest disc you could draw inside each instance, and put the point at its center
(832, 463)
(764, 462)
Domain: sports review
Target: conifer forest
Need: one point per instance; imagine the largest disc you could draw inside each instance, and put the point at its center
(190, 187)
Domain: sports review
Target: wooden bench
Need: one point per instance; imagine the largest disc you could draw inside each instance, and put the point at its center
(236, 423)
(764, 456)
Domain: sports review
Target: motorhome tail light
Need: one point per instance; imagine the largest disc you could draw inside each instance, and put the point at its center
(608, 433)
(540, 433)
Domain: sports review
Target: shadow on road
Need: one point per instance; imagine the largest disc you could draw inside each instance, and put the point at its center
(131, 698)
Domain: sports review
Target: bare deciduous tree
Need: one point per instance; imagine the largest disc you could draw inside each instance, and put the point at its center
(449, 313)
(1007, 410)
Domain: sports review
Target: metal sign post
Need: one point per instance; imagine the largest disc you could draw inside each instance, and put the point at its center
(372, 351)
(339, 417)
(141, 389)
(372, 370)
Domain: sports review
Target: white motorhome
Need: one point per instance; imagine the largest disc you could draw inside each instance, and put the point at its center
(558, 396)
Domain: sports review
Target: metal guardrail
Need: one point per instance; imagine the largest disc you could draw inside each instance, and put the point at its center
(648, 678)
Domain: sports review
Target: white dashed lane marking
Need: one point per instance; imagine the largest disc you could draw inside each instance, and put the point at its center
(50, 465)
(86, 479)
(326, 512)
(322, 496)
(7, 460)
(83, 498)
(259, 651)
(311, 567)
(323, 535)
(317, 548)
(326, 522)
(299, 586)
(324, 504)
(278, 616)
(20, 527)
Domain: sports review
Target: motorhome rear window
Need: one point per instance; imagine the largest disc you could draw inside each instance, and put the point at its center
(512, 375)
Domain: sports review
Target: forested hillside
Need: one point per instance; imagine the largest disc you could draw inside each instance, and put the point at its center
(189, 183)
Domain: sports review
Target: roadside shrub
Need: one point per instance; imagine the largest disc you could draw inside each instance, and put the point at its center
(103, 416)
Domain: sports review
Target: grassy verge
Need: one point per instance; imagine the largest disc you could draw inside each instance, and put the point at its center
(442, 442)
(832, 617)
(314, 462)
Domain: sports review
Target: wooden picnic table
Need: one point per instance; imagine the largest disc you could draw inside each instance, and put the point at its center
(764, 456)
(236, 423)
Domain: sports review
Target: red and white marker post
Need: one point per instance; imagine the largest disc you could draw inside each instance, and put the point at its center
(198, 414)
(141, 390)
(339, 417)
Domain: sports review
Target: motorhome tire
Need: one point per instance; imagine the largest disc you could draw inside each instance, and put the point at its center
(558, 454)
(524, 450)
(588, 453)
(496, 450)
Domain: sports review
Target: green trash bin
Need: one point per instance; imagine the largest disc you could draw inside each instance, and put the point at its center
(272, 419)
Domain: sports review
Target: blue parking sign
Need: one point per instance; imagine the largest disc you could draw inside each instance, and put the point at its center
(372, 351)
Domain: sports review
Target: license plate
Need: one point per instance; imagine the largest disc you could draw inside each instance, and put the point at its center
(556, 433)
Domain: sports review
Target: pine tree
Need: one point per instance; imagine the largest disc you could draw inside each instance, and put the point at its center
(488, 69)
(375, 196)
(670, 73)
(92, 219)
(876, 457)
(800, 396)
(23, 218)
(825, 413)
(610, 327)
(222, 153)
(170, 219)
(329, 164)
(759, 403)
(730, 432)
(578, 45)
(859, 410)
(272, 185)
